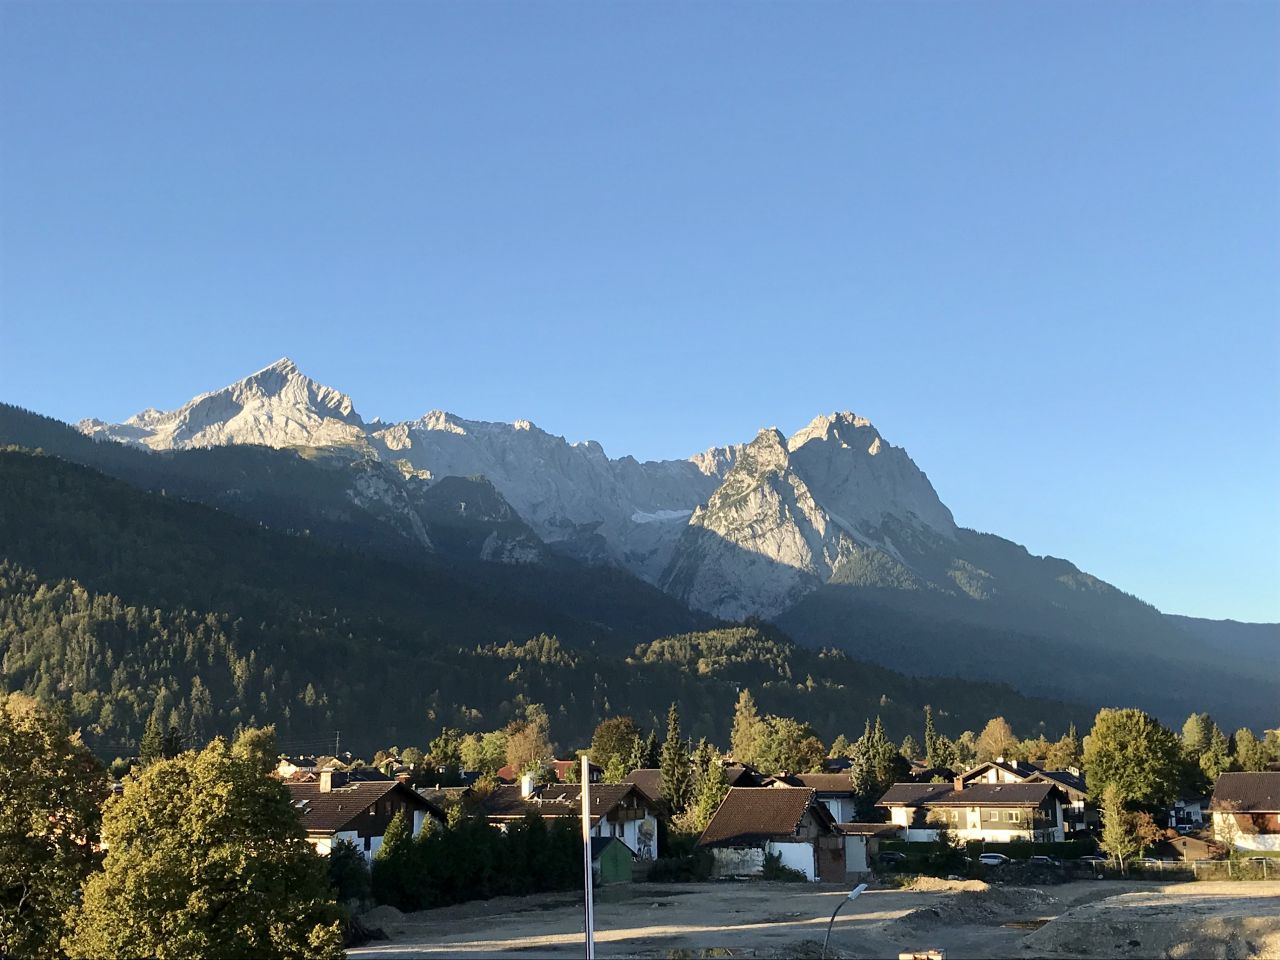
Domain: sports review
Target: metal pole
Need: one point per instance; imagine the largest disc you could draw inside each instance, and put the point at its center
(589, 915)
(853, 895)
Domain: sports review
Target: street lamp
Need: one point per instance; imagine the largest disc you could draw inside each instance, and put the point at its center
(853, 895)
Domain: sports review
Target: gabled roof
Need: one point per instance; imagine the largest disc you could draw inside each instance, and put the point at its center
(749, 816)
(560, 800)
(1073, 784)
(1015, 768)
(1247, 792)
(973, 795)
(824, 783)
(326, 813)
(649, 779)
(599, 844)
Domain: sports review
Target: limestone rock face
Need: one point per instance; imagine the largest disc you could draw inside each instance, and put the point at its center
(793, 512)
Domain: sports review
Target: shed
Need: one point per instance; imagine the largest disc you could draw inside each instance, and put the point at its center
(611, 860)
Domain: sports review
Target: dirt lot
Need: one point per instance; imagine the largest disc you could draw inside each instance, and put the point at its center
(1099, 919)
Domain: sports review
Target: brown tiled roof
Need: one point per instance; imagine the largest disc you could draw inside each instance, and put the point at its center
(822, 782)
(558, 800)
(748, 816)
(330, 812)
(973, 795)
(649, 780)
(1247, 792)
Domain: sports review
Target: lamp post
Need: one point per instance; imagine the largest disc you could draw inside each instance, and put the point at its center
(589, 912)
(853, 895)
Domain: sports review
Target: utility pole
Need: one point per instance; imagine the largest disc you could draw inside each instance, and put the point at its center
(336, 742)
(589, 913)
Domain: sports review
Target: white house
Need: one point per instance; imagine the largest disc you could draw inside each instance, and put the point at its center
(982, 810)
(617, 810)
(787, 822)
(1246, 810)
(335, 808)
(833, 790)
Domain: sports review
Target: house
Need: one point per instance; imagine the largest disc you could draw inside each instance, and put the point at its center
(1188, 811)
(833, 790)
(649, 779)
(289, 767)
(617, 810)
(1246, 810)
(611, 860)
(1077, 816)
(335, 808)
(788, 822)
(1000, 770)
(999, 811)
(1186, 849)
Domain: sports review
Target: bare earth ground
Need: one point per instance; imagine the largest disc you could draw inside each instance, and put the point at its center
(1097, 919)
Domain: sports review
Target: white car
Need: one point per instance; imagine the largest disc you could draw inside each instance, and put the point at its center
(992, 859)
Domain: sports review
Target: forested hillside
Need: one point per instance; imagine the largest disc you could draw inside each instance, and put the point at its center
(129, 604)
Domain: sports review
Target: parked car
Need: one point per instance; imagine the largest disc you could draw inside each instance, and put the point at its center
(1146, 861)
(1091, 858)
(1043, 860)
(1186, 828)
(992, 859)
(891, 858)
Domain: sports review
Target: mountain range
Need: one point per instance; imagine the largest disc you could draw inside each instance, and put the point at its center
(832, 534)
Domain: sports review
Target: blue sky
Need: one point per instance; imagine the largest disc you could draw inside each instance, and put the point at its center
(1035, 243)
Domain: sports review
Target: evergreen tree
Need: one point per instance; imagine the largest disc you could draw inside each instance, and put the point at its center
(840, 747)
(652, 752)
(676, 775)
(712, 787)
(636, 756)
(909, 749)
(1249, 753)
(392, 877)
(930, 739)
(746, 741)
(1216, 758)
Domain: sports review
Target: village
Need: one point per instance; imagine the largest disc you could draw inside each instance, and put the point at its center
(997, 843)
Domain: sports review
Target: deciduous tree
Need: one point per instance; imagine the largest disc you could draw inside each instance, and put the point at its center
(206, 857)
(51, 789)
(1134, 752)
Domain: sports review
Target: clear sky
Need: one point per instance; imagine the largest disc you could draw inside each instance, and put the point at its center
(1035, 243)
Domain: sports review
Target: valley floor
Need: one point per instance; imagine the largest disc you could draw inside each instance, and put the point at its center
(1129, 919)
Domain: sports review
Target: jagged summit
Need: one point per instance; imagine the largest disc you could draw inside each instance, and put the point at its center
(277, 406)
(741, 529)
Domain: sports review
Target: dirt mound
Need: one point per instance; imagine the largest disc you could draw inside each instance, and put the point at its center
(994, 905)
(938, 885)
(1165, 924)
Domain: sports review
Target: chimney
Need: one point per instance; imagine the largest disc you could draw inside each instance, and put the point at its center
(526, 785)
(326, 780)
(958, 785)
